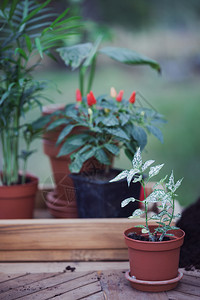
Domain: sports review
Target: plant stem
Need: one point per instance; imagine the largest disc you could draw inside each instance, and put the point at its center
(91, 75)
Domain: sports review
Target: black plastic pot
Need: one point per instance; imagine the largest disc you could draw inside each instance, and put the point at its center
(98, 198)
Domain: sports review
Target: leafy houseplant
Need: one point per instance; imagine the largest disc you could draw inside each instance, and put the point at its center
(71, 120)
(29, 30)
(155, 267)
(106, 125)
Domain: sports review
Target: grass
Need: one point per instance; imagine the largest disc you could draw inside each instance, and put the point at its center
(178, 101)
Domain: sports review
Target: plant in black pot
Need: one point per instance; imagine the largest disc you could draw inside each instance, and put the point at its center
(153, 249)
(106, 125)
(29, 30)
(83, 57)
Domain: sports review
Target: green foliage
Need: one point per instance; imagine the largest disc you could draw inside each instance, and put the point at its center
(102, 129)
(83, 56)
(163, 193)
(28, 31)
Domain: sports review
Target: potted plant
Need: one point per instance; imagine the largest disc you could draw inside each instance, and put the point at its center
(29, 31)
(82, 57)
(153, 249)
(106, 125)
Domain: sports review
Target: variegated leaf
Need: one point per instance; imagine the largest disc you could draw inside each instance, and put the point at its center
(137, 213)
(176, 186)
(136, 179)
(170, 184)
(127, 201)
(144, 230)
(147, 164)
(130, 175)
(155, 196)
(137, 159)
(155, 170)
(120, 176)
(160, 182)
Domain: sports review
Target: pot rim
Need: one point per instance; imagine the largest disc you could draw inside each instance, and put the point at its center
(33, 179)
(176, 238)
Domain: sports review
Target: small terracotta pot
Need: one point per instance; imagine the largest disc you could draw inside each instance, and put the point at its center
(154, 261)
(17, 201)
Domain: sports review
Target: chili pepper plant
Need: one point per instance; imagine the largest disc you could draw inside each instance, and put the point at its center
(107, 124)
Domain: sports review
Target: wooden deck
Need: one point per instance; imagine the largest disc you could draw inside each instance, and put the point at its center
(91, 281)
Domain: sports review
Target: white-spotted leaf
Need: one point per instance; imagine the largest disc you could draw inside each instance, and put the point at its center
(127, 201)
(136, 179)
(137, 213)
(130, 175)
(155, 196)
(155, 170)
(137, 159)
(120, 176)
(147, 164)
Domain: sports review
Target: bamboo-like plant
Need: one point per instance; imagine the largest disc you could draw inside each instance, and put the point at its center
(29, 30)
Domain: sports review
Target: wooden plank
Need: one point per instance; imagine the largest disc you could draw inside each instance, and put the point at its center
(188, 289)
(175, 295)
(97, 296)
(15, 283)
(50, 234)
(191, 280)
(82, 291)
(58, 285)
(117, 287)
(64, 255)
(51, 267)
(5, 277)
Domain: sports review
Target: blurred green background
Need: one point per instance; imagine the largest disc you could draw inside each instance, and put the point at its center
(167, 31)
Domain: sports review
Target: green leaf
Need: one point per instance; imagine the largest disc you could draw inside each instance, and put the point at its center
(21, 52)
(57, 123)
(74, 56)
(39, 46)
(35, 11)
(110, 121)
(28, 42)
(112, 148)
(92, 53)
(156, 132)
(72, 144)
(129, 57)
(13, 7)
(118, 132)
(64, 133)
(140, 136)
(102, 157)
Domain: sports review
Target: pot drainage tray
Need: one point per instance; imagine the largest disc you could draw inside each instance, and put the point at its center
(154, 286)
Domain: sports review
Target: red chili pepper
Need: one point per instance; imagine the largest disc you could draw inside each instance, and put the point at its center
(78, 95)
(91, 100)
(132, 97)
(120, 96)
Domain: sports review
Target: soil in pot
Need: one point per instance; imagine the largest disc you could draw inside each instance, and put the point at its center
(98, 198)
(190, 223)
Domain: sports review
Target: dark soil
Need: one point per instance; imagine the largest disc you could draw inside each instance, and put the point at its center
(190, 223)
(138, 237)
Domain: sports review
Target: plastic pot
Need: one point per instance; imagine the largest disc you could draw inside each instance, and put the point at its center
(154, 261)
(98, 198)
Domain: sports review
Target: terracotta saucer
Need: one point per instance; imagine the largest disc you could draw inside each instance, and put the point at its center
(154, 286)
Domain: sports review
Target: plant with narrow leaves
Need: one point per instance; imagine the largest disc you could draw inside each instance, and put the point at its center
(164, 193)
(28, 31)
(106, 125)
(84, 57)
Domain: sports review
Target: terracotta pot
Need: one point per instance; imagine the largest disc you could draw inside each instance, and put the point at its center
(17, 201)
(154, 261)
(61, 208)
